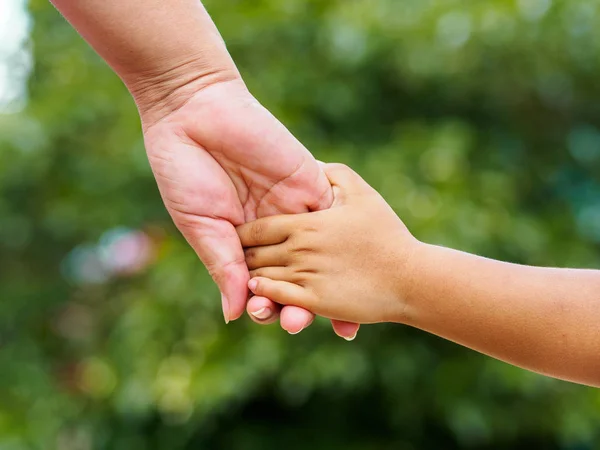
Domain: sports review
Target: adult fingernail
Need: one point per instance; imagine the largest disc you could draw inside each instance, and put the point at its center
(350, 339)
(295, 332)
(225, 304)
(263, 313)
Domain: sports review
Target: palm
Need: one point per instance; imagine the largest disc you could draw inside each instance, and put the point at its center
(221, 160)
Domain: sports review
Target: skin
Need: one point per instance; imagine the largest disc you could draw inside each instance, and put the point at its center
(219, 158)
(358, 262)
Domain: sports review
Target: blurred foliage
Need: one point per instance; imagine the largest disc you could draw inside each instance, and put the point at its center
(478, 121)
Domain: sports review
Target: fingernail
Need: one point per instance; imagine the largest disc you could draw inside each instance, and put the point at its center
(263, 313)
(295, 332)
(225, 304)
(350, 339)
(252, 284)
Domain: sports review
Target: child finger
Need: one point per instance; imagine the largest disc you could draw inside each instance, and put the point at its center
(282, 292)
(266, 231)
(279, 273)
(270, 255)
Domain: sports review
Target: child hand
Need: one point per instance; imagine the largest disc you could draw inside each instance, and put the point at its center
(349, 263)
(357, 262)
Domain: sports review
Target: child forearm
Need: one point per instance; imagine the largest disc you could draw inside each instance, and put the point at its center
(545, 320)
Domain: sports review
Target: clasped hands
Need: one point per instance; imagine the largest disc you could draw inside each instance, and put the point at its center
(222, 160)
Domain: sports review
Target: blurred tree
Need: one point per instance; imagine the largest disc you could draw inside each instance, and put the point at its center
(478, 121)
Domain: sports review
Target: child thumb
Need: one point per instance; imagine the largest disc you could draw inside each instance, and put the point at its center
(345, 182)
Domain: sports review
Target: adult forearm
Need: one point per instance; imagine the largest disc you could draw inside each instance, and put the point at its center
(546, 320)
(159, 48)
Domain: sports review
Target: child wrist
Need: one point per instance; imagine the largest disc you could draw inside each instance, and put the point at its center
(408, 282)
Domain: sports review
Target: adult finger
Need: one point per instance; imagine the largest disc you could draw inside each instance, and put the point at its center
(262, 310)
(294, 319)
(346, 330)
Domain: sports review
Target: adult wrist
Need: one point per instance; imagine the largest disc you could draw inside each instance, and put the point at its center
(160, 93)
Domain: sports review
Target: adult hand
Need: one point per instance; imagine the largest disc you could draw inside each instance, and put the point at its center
(219, 157)
(220, 160)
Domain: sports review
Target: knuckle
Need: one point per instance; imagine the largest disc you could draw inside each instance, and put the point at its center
(305, 273)
(297, 277)
(310, 227)
(301, 250)
(297, 241)
(306, 245)
(314, 226)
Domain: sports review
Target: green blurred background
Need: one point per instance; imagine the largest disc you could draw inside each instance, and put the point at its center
(479, 121)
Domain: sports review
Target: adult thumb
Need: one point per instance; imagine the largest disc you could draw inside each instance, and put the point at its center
(217, 244)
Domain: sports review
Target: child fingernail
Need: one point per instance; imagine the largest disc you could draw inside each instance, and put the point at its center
(263, 313)
(252, 284)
